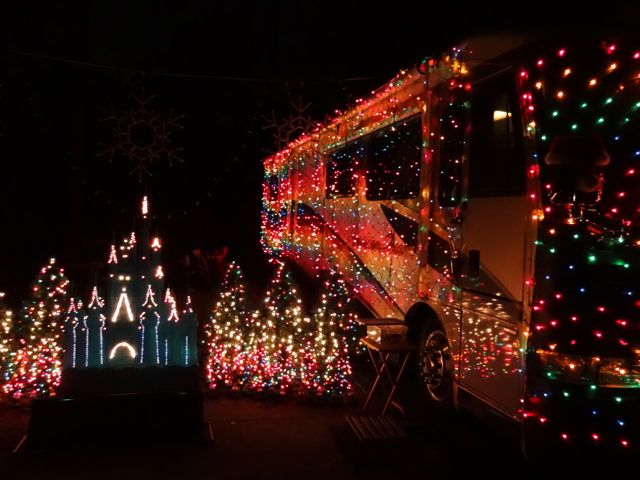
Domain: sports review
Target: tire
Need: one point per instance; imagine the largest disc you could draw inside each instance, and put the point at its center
(434, 364)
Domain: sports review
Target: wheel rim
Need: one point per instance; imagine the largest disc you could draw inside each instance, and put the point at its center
(434, 365)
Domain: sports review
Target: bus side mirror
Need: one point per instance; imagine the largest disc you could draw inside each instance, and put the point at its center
(576, 169)
(456, 265)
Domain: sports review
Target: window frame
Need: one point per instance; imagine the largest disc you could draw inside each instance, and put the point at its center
(355, 166)
(417, 118)
(481, 148)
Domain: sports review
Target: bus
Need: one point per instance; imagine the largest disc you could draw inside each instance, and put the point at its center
(489, 198)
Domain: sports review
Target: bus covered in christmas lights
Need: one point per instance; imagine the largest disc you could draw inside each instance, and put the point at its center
(489, 197)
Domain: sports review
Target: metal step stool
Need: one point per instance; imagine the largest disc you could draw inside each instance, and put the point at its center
(376, 428)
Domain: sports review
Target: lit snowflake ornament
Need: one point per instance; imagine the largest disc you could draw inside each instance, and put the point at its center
(142, 135)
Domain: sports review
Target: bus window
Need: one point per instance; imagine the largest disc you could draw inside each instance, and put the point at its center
(451, 156)
(393, 162)
(342, 166)
(497, 157)
(406, 228)
(272, 188)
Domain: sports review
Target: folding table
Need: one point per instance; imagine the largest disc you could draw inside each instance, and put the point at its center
(380, 355)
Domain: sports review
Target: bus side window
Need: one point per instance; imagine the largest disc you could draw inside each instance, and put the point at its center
(342, 168)
(453, 124)
(393, 161)
(272, 188)
(497, 155)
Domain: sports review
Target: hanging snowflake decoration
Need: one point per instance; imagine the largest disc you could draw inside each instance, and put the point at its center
(287, 129)
(142, 135)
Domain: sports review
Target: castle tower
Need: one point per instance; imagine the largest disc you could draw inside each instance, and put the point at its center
(70, 323)
(130, 272)
(186, 337)
(168, 325)
(81, 338)
(132, 328)
(95, 323)
(149, 327)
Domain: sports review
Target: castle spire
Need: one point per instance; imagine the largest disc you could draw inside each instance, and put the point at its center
(149, 300)
(188, 308)
(159, 273)
(113, 256)
(96, 301)
(173, 309)
(145, 206)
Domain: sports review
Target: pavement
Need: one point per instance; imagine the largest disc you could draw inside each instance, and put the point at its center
(276, 439)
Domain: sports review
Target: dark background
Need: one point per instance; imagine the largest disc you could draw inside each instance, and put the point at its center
(224, 66)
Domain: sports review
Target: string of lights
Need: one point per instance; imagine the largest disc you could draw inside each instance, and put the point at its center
(178, 75)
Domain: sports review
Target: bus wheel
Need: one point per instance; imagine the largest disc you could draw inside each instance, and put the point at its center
(434, 363)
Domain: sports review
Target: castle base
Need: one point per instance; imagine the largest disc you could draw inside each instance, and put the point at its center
(108, 381)
(132, 407)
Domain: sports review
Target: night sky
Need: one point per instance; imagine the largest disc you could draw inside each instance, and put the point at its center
(221, 69)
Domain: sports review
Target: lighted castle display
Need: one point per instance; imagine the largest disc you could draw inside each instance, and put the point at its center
(139, 324)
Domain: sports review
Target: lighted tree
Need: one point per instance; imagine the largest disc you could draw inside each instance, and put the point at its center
(329, 366)
(42, 314)
(8, 341)
(258, 363)
(226, 334)
(276, 348)
(36, 370)
(283, 330)
(340, 300)
(36, 366)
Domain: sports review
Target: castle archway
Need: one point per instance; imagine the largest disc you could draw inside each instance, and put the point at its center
(122, 353)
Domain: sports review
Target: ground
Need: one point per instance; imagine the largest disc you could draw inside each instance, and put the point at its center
(280, 440)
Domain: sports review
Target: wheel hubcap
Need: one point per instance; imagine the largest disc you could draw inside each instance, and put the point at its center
(434, 364)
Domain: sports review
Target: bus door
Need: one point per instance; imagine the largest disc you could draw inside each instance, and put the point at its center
(493, 245)
(390, 226)
(343, 171)
(341, 202)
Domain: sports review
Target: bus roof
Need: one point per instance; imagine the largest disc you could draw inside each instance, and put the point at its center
(477, 49)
